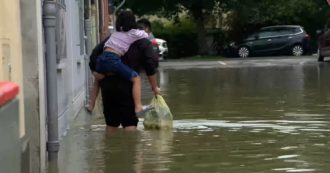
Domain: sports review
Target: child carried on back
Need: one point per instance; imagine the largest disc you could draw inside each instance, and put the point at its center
(109, 62)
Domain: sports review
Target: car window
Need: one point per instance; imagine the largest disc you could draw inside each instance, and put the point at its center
(252, 36)
(279, 31)
(298, 30)
(266, 33)
(286, 31)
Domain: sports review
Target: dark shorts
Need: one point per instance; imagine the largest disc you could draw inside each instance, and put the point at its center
(111, 62)
(118, 103)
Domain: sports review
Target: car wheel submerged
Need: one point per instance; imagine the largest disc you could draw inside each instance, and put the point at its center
(297, 50)
(243, 52)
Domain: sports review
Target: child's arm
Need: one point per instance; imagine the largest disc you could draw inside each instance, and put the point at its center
(137, 34)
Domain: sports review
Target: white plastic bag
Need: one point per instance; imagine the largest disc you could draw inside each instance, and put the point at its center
(160, 117)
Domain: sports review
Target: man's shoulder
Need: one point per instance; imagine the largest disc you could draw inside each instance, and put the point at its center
(142, 42)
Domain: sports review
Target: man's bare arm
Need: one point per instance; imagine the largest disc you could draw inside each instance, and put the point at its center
(154, 84)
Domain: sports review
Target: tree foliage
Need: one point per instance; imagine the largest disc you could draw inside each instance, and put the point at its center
(242, 16)
(248, 16)
(142, 7)
(199, 10)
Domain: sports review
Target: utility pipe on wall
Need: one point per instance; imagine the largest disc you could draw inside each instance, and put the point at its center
(88, 43)
(49, 22)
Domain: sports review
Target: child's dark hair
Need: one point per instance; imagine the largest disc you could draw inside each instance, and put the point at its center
(125, 21)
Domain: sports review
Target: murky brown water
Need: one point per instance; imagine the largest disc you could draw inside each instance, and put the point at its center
(238, 119)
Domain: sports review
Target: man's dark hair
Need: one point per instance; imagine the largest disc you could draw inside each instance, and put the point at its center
(125, 21)
(144, 23)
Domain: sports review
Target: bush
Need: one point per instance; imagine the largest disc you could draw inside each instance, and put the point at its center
(219, 41)
(181, 38)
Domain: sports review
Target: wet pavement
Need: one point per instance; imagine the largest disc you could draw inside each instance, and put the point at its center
(251, 115)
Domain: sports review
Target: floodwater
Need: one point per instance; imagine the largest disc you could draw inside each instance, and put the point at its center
(233, 119)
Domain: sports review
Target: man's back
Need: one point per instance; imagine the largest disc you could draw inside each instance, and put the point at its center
(140, 56)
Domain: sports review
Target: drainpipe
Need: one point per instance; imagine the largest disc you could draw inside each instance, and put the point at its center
(88, 43)
(114, 14)
(49, 22)
(88, 29)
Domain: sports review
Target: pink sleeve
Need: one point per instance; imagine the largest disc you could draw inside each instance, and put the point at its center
(137, 34)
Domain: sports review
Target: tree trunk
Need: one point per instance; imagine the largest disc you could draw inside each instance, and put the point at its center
(201, 32)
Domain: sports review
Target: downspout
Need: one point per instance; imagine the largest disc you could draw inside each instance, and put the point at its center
(88, 43)
(49, 22)
(115, 13)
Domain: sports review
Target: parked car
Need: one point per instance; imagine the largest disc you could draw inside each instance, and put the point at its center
(155, 47)
(161, 46)
(324, 42)
(273, 40)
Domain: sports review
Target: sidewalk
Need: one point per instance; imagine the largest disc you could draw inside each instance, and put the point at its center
(74, 150)
(88, 149)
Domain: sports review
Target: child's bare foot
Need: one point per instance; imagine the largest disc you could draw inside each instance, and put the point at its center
(90, 108)
(138, 108)
(144, 110)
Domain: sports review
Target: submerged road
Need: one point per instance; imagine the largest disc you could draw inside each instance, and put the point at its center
(239, 62)
(264, 114)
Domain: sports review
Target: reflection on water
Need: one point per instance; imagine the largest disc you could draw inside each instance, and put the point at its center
(238, 119)
(141, 151)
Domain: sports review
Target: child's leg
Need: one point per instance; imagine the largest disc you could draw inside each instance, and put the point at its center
(136, 90)
(131, 75)
(93, 96)
(95, 91)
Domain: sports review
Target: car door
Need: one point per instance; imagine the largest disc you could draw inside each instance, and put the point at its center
(282, 39)
(263, 42)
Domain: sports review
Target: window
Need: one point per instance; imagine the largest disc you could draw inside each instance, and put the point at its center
(279, 31)
(287, 31)
(266, 34)
(252, 37)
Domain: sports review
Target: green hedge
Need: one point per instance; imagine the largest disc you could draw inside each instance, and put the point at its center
(181, 38)
(180, 44)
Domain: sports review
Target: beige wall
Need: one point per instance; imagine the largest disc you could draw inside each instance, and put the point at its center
(11, 50)
(34, 83)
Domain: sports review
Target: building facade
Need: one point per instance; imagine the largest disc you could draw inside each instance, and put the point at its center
(11, 70)
(45, 42)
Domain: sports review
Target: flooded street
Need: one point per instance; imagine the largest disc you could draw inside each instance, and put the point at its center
(230, 116)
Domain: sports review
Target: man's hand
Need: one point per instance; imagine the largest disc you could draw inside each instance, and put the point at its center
(153, 83)
(156, 90)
